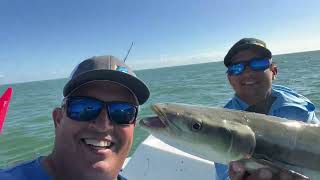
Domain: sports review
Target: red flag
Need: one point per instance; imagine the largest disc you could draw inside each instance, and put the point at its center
(4, 104)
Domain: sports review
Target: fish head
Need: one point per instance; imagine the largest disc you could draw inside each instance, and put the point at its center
(196, 130)
(171, 122)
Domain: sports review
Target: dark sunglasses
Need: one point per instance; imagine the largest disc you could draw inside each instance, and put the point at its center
(256, 64)
(86, 109)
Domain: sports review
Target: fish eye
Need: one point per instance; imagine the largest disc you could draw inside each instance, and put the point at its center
(196, 126)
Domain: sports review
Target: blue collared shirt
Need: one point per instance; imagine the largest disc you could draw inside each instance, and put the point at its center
(32, 170)
(288, 104)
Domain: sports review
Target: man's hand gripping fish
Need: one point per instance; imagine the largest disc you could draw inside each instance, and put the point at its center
(223, 135)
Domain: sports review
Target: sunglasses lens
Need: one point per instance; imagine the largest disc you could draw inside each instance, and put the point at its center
(86, 109)
(236, 69)
(83, 109)
(122, 113)
(259, 64)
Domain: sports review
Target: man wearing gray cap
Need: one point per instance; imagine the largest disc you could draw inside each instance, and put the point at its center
(93, 127)
(250, 72)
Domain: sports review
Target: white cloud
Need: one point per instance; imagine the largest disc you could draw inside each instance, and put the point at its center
(167, 60)
(293, 42)
(294, 46)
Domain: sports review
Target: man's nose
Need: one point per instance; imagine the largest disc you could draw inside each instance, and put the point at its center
(102, 123)
(247, 70)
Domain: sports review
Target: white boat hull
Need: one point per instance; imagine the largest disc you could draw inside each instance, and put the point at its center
(155, 160)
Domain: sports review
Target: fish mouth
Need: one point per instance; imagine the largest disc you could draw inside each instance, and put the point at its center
(152, 122)
(159, 121)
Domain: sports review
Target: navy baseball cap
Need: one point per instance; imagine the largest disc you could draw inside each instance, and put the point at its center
(247, 43)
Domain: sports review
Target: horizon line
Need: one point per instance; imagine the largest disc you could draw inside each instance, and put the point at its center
(159, 67)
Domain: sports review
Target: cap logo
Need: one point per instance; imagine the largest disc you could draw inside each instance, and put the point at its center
(257, 43)
(122, 69)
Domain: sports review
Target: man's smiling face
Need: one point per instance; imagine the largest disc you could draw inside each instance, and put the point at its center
(98, 148)
(251, 86)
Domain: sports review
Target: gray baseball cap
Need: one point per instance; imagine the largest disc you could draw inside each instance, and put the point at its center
(106, 68)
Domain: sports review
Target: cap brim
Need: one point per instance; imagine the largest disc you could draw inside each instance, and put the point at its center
(140, 90)
(261, 50)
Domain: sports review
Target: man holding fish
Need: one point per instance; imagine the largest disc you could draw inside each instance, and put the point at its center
(256, 146)
(250, 73)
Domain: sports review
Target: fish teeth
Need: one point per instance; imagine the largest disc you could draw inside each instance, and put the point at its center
(98, 143)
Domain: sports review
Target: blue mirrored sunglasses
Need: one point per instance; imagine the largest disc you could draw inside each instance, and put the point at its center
(256, 64)
(87, 108)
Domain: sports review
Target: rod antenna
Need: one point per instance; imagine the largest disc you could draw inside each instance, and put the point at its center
(125, 58)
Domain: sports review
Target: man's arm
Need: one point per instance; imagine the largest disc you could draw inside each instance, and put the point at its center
(296, 113)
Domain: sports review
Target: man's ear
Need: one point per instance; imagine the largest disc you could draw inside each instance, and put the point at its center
(57, 115)
(274, 70)
(228, 76)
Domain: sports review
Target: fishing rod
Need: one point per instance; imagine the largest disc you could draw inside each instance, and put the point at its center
(4, 105)
(124, 59)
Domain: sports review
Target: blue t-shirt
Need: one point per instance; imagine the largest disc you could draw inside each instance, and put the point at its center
(287, 104)
(32, 170)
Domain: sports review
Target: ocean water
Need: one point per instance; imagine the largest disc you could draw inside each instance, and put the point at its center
(29, 131)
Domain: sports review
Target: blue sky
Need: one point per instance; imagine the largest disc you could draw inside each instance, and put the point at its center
(42, 39)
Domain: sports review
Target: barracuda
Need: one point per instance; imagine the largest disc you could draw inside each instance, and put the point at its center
(223, 135)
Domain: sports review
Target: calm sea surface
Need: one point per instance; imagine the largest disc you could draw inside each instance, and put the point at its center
(29, 132)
